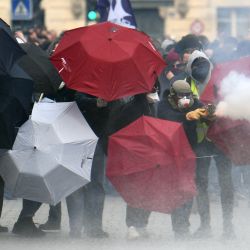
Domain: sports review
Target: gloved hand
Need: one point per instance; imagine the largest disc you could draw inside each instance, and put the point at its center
(196, 114)
(203, 112)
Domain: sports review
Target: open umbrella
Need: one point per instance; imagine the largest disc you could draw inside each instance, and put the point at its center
(37, 64)
(5, 26)
(52, 154)
(231, 136)
(10, 51)
(152, 165)
(15, 104)
(108, 61)
(211, 92)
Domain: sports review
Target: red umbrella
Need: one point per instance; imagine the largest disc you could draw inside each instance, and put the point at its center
(241, 65)
(231, 136)
(152, 165)
(108, 61)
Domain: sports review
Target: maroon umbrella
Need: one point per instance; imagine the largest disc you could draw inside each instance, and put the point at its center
(231, 136)
(152, 165)
(211, 93)
(108, 61)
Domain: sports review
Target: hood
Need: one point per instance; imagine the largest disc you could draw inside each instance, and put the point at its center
(198, 54)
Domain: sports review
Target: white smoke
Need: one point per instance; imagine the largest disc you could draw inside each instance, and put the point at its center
(235, 93)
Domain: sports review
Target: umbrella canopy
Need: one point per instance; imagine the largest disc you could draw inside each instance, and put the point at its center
(108, 61)
(52, 154)
(10, 51)
(37, 64)
(5, 26)
(15, 105)
(211, 92)
(152, 165)
(231, 136)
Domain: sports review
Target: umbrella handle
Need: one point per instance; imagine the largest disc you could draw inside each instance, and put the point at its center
(41, 97)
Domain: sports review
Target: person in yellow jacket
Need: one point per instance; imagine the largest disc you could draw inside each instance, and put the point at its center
(197, 73)
(205, 151)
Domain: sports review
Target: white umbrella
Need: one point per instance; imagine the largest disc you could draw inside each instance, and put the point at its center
(52, 154)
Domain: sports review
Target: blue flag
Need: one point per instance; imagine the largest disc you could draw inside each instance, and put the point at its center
(117, 11)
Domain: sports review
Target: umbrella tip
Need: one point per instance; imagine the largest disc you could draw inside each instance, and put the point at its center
(34, 147)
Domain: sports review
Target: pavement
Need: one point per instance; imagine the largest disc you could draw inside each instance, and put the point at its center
(159, 228)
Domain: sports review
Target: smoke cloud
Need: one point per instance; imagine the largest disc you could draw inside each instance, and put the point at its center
(235, 93)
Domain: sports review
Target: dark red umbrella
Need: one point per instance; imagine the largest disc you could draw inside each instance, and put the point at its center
(231, 136)
(211, 93)
(108, 61)
(152, 165)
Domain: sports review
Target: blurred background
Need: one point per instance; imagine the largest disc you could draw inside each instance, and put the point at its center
(159, 18)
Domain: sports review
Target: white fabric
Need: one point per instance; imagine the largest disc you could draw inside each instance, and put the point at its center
(52, 154)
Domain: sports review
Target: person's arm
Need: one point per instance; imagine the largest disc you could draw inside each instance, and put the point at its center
(164, 111)
(85, 101)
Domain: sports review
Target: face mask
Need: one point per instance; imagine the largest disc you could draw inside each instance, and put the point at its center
(185, 102)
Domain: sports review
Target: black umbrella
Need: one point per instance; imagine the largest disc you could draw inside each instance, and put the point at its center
(15, 105)
(37, 64)
(5, 26)
(10, 52)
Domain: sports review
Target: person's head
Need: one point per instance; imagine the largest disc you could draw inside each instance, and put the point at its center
(199, 67)
(204, 41)
(187, 45)
(181, 94)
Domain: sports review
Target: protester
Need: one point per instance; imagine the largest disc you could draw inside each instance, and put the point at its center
(174, 106)
(96, 113)
(90, 197)
(122, 113)
(180, 106)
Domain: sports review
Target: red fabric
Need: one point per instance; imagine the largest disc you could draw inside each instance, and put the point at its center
(231, 136)
(172, 56)
(108, 61)
(152, 165)
(241, 65)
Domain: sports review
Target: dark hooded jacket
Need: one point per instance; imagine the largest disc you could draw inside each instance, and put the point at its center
(168, 112)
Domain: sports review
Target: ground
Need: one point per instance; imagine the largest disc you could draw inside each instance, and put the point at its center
(161, 236)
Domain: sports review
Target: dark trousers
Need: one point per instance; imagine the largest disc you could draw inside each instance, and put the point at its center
(29, 209)
(94, 193)
(55, 214)
(74, 205)
(224, 167)
(138, 217)
(1, 194)
(180, 217)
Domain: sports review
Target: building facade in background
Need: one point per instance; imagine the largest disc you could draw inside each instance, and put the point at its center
(159, 18)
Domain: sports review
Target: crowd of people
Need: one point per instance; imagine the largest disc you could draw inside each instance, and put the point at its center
(190, 62)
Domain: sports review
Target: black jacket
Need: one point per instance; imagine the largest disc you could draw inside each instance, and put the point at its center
(96, 117)
(167, 112)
